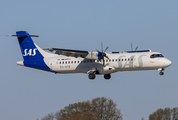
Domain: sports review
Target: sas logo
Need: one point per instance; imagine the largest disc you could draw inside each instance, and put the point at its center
(29, 52)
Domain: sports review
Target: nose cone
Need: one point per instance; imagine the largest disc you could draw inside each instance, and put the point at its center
(168, 63)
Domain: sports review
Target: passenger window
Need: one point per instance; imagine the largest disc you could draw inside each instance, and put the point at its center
(122, 59)
(66, 62)
(116, 60)
(119, 60)
(113, 60)
(78, 61)
(74, 61)
(128, 59)
(71, 62)
(62, 62)
(59, 62)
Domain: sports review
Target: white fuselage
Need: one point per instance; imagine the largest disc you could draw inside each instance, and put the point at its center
(117, 62)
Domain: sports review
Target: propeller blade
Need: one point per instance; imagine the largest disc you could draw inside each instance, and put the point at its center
(102, 46)
(136, 48)
(107, 57)
(103, 62)
(106, 49)
(131, 46)
(97, 50)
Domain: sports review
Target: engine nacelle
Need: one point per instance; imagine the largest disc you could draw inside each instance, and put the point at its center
(92, 55)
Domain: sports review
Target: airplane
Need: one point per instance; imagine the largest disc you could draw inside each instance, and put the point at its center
(89, 62)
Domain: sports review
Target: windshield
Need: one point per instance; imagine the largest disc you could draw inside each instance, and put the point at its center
(156, 55)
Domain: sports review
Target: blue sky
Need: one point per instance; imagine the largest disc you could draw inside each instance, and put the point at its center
(29, 94)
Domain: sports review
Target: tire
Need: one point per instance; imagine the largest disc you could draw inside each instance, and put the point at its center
(107, 76)
(161, 73)
(91, 76)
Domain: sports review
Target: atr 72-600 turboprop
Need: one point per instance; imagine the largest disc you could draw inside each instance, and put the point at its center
(90, 62)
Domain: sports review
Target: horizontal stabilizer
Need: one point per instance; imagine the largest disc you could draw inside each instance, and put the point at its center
(22, 35)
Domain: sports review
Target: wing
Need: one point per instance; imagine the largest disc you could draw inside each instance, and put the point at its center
(68, 52)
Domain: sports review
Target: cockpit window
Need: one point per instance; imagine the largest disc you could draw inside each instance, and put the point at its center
(156, 55)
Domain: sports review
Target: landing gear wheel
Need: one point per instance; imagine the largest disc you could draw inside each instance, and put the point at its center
(91, 76)
(161, 73)
(107, 76)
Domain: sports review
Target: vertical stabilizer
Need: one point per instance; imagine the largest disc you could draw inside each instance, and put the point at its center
(27, 46)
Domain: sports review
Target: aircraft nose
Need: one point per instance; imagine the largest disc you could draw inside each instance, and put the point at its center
(168, 62)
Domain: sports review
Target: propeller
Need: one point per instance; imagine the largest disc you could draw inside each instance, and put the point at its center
(102, 55)
(132, 47)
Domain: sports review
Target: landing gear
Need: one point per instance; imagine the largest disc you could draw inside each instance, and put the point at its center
(161, 73)
(107, 76)
(91, 76)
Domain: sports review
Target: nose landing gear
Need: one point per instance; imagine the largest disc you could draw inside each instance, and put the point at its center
(161, 71)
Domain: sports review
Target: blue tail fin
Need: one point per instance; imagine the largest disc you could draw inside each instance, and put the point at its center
(28, 48)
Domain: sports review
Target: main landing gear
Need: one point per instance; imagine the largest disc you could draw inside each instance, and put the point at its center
(92, 76)
(107, 76)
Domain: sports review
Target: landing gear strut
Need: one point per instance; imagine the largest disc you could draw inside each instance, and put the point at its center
(91, 76)
(107, 76)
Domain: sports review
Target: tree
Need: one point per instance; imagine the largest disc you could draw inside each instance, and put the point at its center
(75, 111)
(97, 109)
(165, 114)
(175, 113)
(48, 117)
(105, 109)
